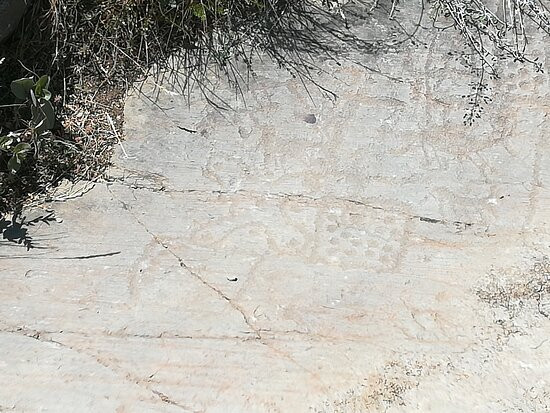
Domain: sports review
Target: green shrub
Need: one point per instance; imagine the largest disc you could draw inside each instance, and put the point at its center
(35, 116)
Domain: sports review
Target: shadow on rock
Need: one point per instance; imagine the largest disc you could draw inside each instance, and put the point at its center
(16, 230)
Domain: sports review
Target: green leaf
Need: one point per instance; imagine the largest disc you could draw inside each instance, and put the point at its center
(14, 164)
(33, 97)
(36, 116)
(21, 149)
(41, 85)
(43, 116)
(49, 113)
(198, 10)
(5, 142)
(21, 87)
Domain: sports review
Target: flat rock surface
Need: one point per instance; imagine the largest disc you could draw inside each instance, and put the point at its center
(297, 253)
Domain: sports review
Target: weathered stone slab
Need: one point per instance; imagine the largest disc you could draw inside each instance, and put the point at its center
(298, 254)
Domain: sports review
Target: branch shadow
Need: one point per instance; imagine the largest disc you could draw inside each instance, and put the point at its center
(16, 229)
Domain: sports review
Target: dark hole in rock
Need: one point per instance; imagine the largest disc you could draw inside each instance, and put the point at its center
(311, 118)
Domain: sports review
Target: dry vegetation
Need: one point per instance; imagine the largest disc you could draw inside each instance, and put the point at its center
(517, 291)
(94, 50)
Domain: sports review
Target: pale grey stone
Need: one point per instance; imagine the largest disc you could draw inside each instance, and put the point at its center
(357, 241)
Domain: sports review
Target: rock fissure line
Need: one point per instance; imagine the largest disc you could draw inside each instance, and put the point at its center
(77, 257)
(256, 331)
(299, 198)
(266, 334)
(190, 271)
(166, 399)
(117, 335)
(128, 377)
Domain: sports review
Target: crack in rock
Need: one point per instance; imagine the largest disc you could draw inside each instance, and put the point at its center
(128, 377)
(266, 334)
(189, 270)
(165, 399)
(256, 331)
(298, 198)
(38, 334)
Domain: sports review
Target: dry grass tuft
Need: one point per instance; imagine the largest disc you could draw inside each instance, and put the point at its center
(94, 50)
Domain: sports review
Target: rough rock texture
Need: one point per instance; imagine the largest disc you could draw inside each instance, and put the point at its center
(299, 254)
